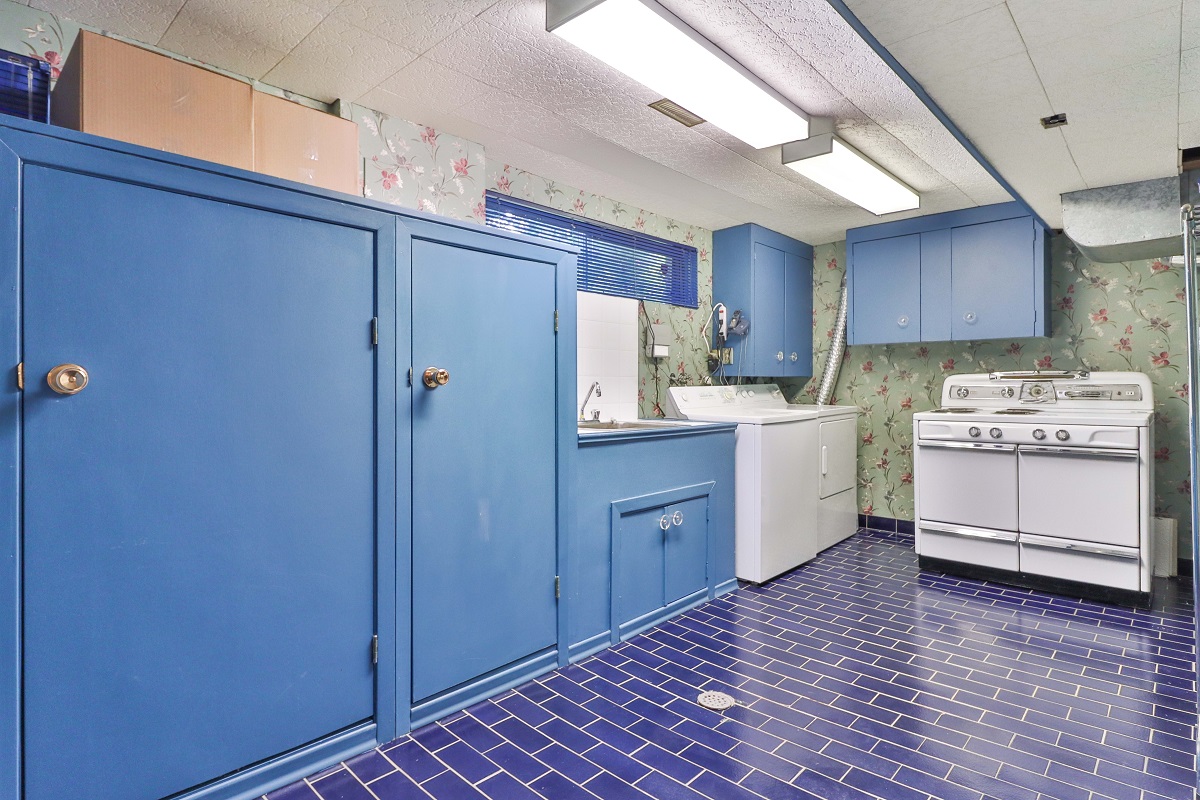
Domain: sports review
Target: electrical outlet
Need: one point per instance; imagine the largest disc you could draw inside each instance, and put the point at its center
(726, 355)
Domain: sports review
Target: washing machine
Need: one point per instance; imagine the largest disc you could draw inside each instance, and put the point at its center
(794, 474)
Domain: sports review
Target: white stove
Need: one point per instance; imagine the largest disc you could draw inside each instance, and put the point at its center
(1040, 478)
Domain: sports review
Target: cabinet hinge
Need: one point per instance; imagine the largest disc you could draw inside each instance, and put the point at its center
(375, 649)
(374, 331)
(410, 376)
(556, 320)
(557, 588)
(21, 376)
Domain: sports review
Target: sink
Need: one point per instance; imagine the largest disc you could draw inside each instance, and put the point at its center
(630, 425)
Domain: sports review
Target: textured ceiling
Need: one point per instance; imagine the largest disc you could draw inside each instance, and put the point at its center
(487, 70)
(1117, 68)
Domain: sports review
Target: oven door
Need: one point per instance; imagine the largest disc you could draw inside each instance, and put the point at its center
(1089, 494)
(967, 483)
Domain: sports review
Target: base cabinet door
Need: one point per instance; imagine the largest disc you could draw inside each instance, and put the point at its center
(199, 519)
(484, 543)
(685, 550)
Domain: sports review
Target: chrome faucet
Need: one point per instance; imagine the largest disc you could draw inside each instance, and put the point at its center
(595, 412)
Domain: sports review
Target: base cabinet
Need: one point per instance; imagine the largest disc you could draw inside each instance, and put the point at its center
(653, 531)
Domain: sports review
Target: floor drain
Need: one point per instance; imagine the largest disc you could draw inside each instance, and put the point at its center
(717, 701)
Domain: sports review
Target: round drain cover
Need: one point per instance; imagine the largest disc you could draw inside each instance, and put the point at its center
(717, 701)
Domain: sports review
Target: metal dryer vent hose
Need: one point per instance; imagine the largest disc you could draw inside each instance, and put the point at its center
(837, 347)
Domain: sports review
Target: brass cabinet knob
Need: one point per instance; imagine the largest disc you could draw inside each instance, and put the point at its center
(67, 378)
(434, 377)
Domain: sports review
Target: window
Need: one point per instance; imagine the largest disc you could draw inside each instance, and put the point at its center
(612, 260)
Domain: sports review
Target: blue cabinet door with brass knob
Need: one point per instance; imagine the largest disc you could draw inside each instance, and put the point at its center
(206, 440)
(487, 416)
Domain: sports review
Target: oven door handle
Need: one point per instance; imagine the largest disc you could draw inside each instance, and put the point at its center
(972, 533)
(1074, 547)
(1094, 452)
(1007, 448)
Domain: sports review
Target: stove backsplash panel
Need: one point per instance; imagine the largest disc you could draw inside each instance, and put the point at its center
(1125, 316)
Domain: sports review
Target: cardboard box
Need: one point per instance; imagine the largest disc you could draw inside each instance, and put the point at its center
(302, 144)
(114, 89)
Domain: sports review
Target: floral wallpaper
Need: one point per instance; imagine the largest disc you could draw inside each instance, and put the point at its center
(31, 32)
(1126, 316)
(687, 365)
(416, 166)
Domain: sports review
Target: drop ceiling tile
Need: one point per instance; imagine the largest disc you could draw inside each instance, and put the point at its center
(985, 84)
(1125, 87)
(1042, 22)
(1121, 128)
(1189, 106)
(418, 26)
(1190, 36)
(985, 36)
(1189, 135)
(142, 20)
(247, 39)
(337, 60)
(1152, 155)
(421, 89)
(1189, 69)
(890, 21)
(1135, 41)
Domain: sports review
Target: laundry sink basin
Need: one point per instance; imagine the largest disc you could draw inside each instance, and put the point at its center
(586, 426)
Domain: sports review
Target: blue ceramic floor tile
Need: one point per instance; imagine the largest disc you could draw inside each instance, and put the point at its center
(857, 676)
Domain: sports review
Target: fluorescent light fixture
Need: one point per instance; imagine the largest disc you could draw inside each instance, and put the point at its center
(827, 160)
(655, 48)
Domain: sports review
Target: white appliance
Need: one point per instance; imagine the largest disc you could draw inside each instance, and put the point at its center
(1045, 476)
(795, 472)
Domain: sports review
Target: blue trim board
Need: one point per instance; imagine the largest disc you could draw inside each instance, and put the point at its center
(917, 89)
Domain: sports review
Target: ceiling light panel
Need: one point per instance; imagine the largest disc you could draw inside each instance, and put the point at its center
(649, 44)
(841, 169)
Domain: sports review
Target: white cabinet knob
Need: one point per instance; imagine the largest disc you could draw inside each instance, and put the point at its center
(902, 322)
(795, 358)
(779, 356)
(664, 522)
(677, 518)
(969, 317)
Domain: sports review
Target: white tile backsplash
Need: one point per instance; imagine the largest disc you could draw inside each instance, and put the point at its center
(608, 342)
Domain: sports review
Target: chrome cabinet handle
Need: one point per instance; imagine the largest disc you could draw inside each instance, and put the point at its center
(664, 522)
(1095, 550)
(902, 322)
(969, 317)
(67, 379)
(795, 358)
(779, 356)
(677, 518)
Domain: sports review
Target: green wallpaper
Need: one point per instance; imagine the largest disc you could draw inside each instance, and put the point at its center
(1127, 316)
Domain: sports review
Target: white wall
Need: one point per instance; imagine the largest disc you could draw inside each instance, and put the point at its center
(608, 343)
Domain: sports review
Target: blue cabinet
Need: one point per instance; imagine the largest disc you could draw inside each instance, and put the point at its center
(980, 273)
(207, 537)
(768, 277)
(485, 479)
(653, 530)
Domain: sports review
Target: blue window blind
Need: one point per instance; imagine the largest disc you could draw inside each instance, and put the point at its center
(24, 87)
(612, 260)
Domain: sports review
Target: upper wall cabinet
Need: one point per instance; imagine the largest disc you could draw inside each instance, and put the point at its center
(979, 273)
(768, 276)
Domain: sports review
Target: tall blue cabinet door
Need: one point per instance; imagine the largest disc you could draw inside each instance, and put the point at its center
(685, 551)
(767, 324)
(484, 453)
(798, 319)
(199, 521)
(993, 279)
(886, 281)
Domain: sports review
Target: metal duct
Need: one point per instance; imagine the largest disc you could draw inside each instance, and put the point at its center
(1127, 222)
(837, 347)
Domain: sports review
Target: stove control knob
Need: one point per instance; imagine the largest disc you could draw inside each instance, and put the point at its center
(963, 392)
(1007, 391)
(995, 433)
(974, 431)
(1062, 436)
(1039, 434)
